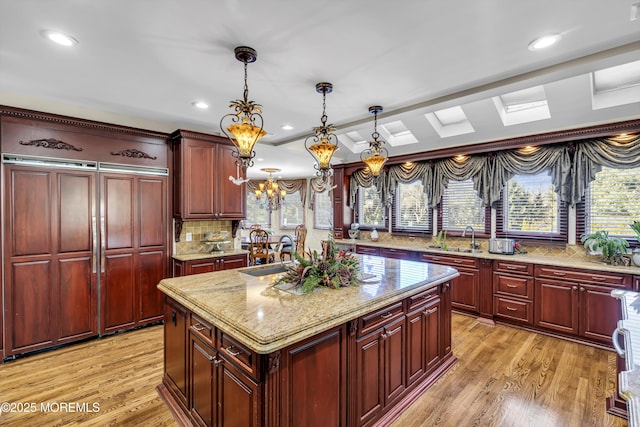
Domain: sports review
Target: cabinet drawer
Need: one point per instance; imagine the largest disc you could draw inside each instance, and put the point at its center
(202, 329)
(395, 253)
(585, 276)
(513, 267)
(367, 250)
(513, 309)
(518, 286)
(375, 320)
(422, 298)
(450, 260)
(238, 354)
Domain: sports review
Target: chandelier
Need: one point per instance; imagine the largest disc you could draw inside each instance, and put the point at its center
(273, 196)
(323, 143)
(242, 122)
(376, 155)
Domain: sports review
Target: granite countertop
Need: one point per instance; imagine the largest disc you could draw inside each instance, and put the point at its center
(206, 255)
(266, 319)
(629, 379)
(533, 259)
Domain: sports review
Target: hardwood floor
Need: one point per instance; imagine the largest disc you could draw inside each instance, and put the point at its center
(504, 377)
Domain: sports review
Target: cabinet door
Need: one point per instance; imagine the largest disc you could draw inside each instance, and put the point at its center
(423, 340)
(230, 198)
(464, 290)
(197, 187)
(203, 381)
(229, 262)
(393, 337)
(175, 349)
(599, 313)
(369, 392)
(205, 266)
(445, 319)
(238, 398)
(556, 305)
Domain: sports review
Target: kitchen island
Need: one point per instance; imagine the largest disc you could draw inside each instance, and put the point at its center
(241, 352)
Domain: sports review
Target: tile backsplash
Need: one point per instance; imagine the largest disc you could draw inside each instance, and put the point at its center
(199, 230)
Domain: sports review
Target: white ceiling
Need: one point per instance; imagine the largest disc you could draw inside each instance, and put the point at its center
(142, 63)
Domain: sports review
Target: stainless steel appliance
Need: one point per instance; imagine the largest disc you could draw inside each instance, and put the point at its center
(502, 246)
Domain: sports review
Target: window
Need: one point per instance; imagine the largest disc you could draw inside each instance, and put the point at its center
(460, 206)
(291, 211)
(612, 201)
(370, 208)
(323, 211)
(411, 208)
(255, 213)
(531, 206)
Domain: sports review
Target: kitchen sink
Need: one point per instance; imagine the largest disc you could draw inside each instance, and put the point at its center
(466, 251)
(264, 271)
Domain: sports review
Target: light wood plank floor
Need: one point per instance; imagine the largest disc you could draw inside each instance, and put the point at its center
(504, 377)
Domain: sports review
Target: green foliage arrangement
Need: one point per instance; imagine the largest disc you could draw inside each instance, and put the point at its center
(333, 270)
(635, 226)
(611, 246)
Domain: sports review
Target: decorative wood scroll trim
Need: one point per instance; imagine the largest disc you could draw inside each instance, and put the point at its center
(235, 224)
(133, 153)
(274, 362)
(52, 143)
(178, 230)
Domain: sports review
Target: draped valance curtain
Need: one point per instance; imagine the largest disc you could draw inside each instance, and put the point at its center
(572, 167)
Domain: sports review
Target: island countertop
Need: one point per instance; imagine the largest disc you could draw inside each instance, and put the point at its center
(267, 319)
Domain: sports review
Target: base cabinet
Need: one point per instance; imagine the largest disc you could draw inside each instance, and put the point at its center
(465, 289)
(208, 265)
(360, 373)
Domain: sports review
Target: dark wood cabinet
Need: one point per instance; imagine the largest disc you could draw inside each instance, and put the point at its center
(367, 250)
(203, 379)
(202, 189)
(396, 253)
(133, 234)
(50, 257)
(465, 289)
(578, 302)
(424, 338)
(208, 265)
(513, 291)
(175, 342)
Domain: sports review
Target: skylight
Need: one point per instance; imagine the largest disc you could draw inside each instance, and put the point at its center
(449, 122)
(615, 86)
(522, 106)
(396, 133)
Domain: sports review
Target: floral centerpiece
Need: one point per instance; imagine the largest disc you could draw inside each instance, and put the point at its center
(331, 269)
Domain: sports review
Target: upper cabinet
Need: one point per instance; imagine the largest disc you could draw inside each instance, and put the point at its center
(202, 189)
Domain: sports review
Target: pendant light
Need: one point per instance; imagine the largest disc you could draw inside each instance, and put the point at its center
(245, 123)
(376, 155)
(323, 143)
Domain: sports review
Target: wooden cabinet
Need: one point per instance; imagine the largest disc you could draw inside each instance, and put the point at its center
(202, 189)
(50, 257)
(396, 253)
(465, 289)
(175, 357)
(208, 265)
(578, 302)
(367, 250)
(134, 243)
(424, 337)
(380, 376)
(513, 291)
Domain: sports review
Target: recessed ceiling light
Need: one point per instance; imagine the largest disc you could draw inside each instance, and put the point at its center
(544, 41)
(260, 159)
(59, 38)
(200, 104)
(286, 127)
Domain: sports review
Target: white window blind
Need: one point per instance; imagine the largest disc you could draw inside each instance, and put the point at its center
(460, 206)
(613, 201)
(255, 213)
(323, 211)
(370, 208)
(412, 207)
(531, 205)
(291, 211)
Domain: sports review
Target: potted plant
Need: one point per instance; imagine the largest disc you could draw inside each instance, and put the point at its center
(600, 242)
(635, 226)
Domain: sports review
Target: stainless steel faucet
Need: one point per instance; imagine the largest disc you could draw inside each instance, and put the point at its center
(473, 236)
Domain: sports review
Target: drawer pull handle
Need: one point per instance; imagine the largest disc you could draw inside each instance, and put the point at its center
(435, 258)
(198, 327)
(231, 352)
(574, 288)
(431, 311)
(511, 267)
(511, 309)
(599, 278)
(457, 261)
(511, 286)
(559, 273)
(217, 362)
(386, 315)
(211, 358)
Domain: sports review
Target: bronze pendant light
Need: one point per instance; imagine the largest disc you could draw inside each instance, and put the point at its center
(323, 143)
(376, 155)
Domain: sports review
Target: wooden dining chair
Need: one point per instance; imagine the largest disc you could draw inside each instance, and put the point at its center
(259, 247)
